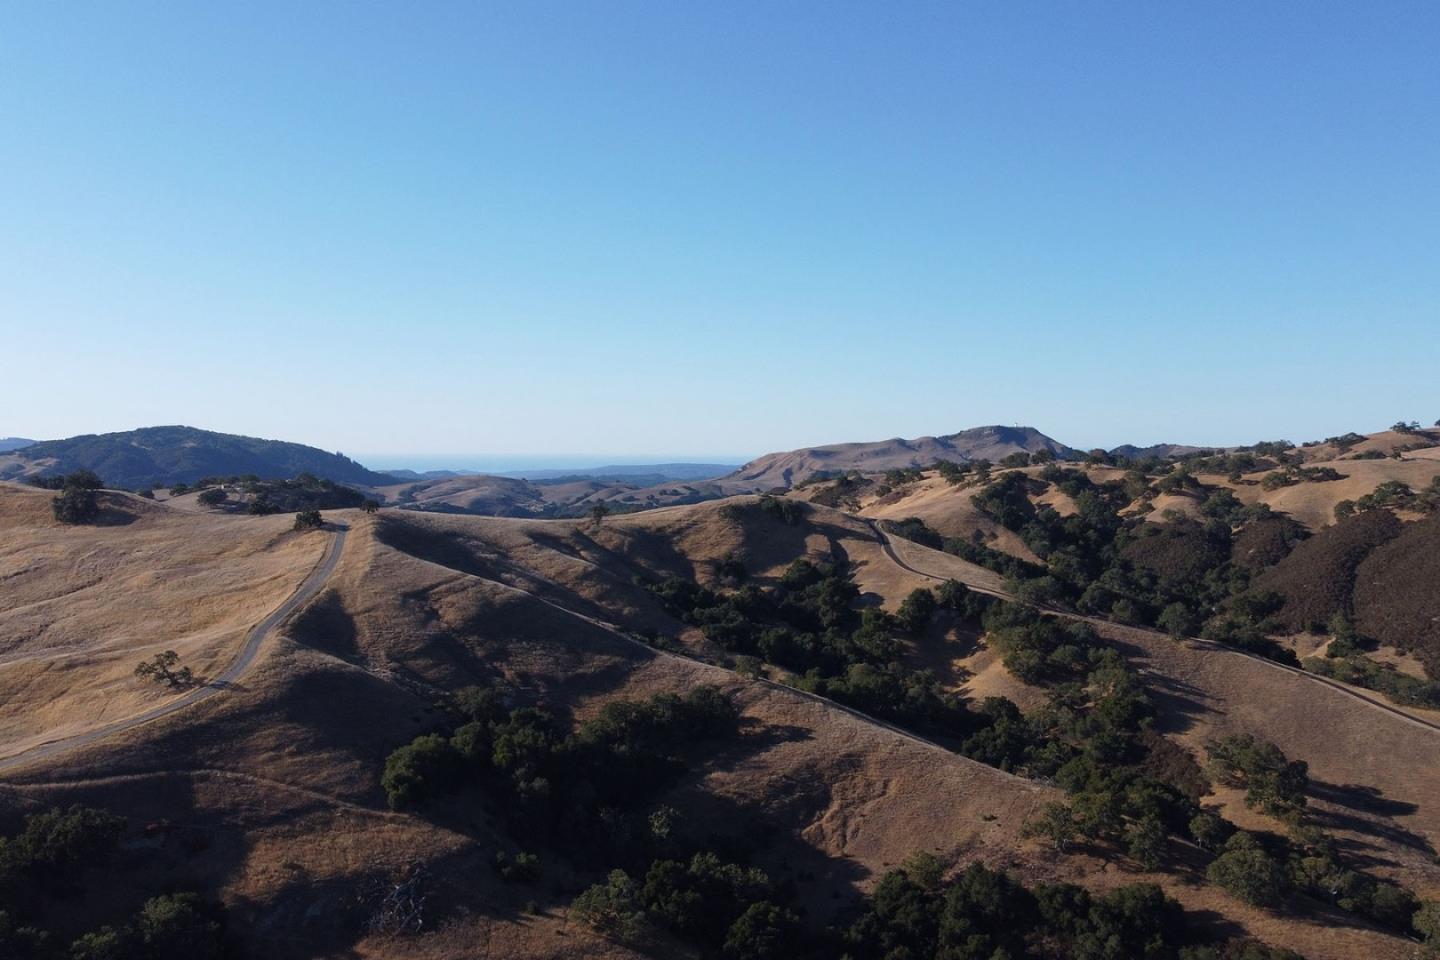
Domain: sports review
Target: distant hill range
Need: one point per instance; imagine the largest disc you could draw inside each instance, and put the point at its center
(1162, 450)
(154, 456)
(632, 473)
(642, 474)
(979, 443)
(160, 456)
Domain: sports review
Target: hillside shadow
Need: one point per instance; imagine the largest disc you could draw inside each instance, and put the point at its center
(113, 517)
(947, 640)
(1210, 926)
(644, 553)
(442, 548)
(170, 843)
(326, 625)
(307, 917)
(755, 738)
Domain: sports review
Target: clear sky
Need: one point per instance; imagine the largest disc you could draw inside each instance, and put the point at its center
(701, 230)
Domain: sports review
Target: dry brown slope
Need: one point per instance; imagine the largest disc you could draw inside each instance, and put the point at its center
(82, 605)
(282, 777)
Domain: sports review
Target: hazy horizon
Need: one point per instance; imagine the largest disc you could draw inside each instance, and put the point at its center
(509, 462)
(490, 463)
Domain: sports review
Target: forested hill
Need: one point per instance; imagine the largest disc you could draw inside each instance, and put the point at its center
(165, 455)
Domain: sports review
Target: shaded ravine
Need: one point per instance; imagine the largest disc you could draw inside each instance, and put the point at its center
(253, 640)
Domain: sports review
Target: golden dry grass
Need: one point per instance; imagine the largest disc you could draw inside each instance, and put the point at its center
(1313, 504)
(281, 774)
(82, 605)
(949, 511)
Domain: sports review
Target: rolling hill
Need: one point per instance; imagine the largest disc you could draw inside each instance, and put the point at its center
(778, 470)
(153, 456)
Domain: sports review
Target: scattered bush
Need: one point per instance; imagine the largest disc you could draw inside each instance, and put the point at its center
(613, 909)
(916, 610)
(1245, 871)
(161, 668)
(424, 768)
(521, 868)
(1272, 782)
(309, 520)
(75, 505)
(787, 511)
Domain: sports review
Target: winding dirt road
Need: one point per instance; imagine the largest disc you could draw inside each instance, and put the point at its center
(253, 640)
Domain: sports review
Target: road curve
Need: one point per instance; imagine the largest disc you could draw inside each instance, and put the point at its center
(1211, 645)
(253, 640)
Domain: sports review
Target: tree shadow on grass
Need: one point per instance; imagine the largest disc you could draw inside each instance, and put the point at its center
(1368, 813)
(1178, 705)
(1210, 927)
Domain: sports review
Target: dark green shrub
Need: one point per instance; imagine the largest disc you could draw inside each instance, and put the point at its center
(424, 768)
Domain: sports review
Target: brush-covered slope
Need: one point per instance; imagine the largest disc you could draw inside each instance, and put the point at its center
(1375, 770)
(979, 443)
(153, 456)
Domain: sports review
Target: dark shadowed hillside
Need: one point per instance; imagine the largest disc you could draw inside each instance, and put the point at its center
(1395, 592)
(1317, 578)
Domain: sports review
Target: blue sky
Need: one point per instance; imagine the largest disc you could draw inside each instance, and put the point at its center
(688, 230)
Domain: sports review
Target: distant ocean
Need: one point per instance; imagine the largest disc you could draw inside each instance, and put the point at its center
(490, 463)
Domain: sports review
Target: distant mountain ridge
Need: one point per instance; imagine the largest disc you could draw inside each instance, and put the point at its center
(13, 443)
(656, 472)
(1162, 450)
(978, 443)
(179, 454)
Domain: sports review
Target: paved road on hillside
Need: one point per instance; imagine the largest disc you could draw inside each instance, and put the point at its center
(253, 640)
(1194, 641)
